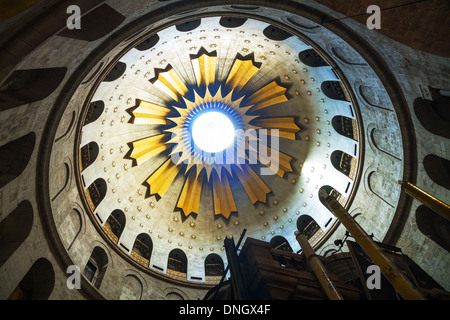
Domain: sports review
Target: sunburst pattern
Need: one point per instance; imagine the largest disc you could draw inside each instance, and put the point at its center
(200, 169)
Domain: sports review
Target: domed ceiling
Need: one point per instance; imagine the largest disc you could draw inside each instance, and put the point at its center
(146, 176)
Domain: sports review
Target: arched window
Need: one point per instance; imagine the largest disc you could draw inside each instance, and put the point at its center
(213, 268)
(177, 264)
(344, 163)
(94, 111)
(115, 225)
(142, 249)
(326, 191)
(37, 284)
(14, 229)
(95, 268)
(14, 157)
(438, 169)
(334, 90)
(311, 58)
(345, 126)
(308, 226)
(280, 243)
(434, 226)
(96, 192)
(88, 154)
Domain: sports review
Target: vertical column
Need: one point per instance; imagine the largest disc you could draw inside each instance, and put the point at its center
(433, 203)
(397, 279)
(318, 268)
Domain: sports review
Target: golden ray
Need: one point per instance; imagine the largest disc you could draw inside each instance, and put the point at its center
(255, 188)
(146, 148)
(170, 83)
(189, 200)
(268, 95)
(205, 69)
(286, 126)
(150, 113)
(241, 72)
(222, 196)
(161, 179)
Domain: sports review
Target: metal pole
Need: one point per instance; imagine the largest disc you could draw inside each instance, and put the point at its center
(228, 265)
(431, 202)
(318, 268)
(397, 279)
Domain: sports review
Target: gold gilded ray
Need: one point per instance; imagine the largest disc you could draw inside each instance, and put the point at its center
(189, 200)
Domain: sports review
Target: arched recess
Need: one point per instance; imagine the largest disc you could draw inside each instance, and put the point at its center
(14, 157)
(433, 115)
(96, 192)
(88, 154)
(70, 228)
(347, 57)
(94, 111)
(131, 288)
(434, 226)
(62, 179)
(375, 97)
(345, 126)
(95, 24)
(382, 185)
(96, 266)
(438, 169)
(344, 163)
(174, 293)
(14, 229)
(311, 58)
(115, 224)
(310, 228)
(334, 90)
(27, 86)
(381, 142)
(142, 249)
(177, 264)
(37, 284)
(280, 243)
(214, 268)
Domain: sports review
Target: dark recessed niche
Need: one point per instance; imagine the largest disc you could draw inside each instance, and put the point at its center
(148, 43)
(275, 33)
(188, 26)
(230, 22)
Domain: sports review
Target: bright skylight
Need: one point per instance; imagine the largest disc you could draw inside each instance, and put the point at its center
(213, 132)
